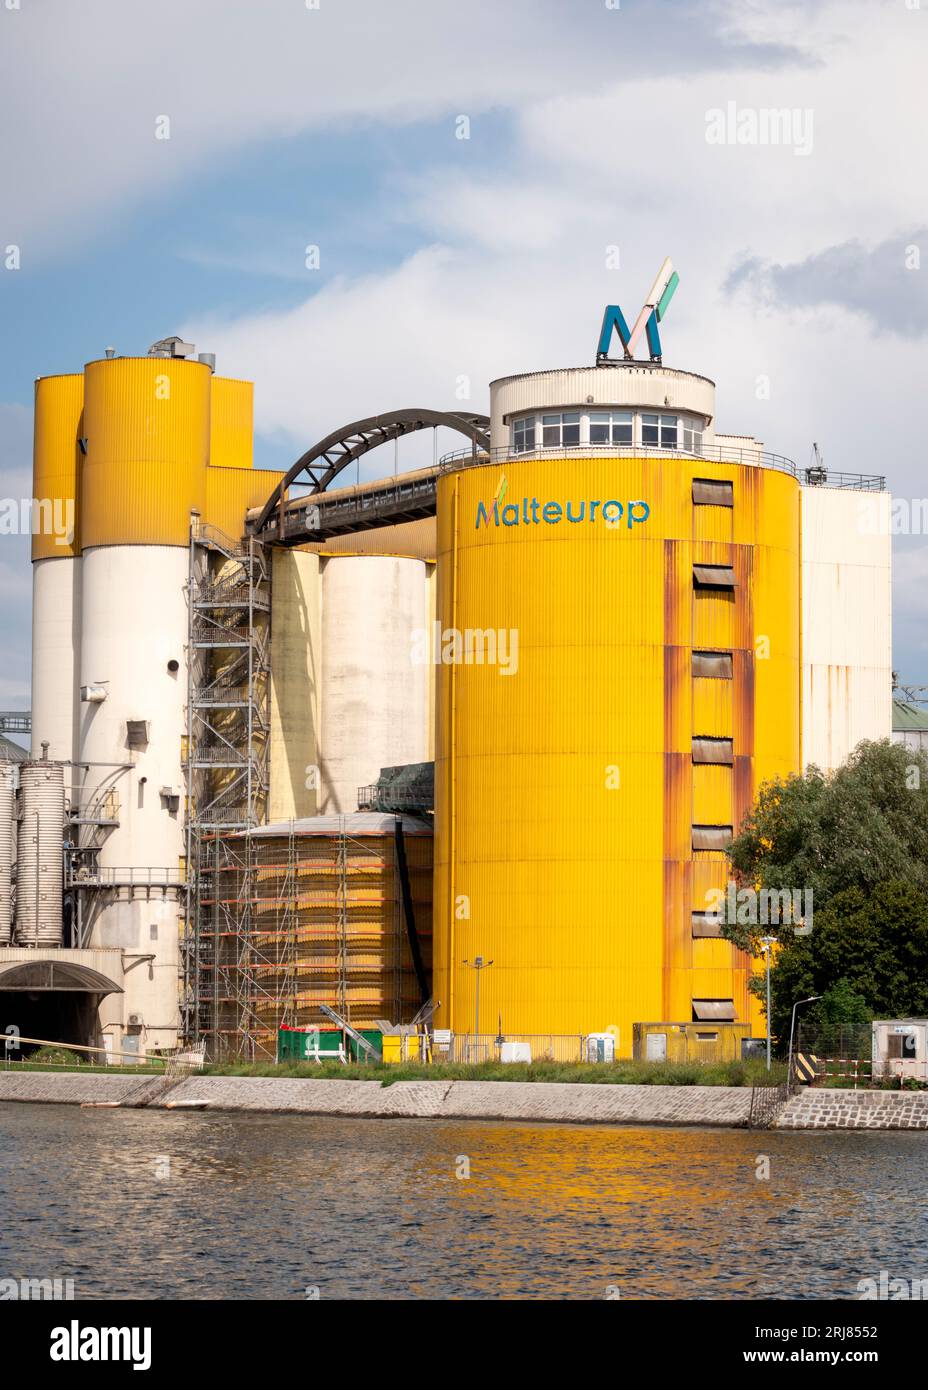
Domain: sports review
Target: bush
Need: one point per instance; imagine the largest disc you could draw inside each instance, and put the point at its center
(56, 1057)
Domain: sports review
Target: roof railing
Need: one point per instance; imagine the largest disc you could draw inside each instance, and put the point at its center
(815, 476)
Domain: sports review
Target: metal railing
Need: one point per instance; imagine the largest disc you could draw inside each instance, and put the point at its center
(15, 721)
(711, 453)
(215, 755)
(766, 1104)
(316, 516)
(234, 694)
(130, 877)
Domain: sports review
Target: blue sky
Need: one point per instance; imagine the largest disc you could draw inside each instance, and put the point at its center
(444, 258)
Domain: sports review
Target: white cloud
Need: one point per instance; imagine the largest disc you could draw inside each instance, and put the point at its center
(83, 85)
(608, 114)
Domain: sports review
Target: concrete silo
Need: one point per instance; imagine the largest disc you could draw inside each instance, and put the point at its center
(56, 569)
(375, 672)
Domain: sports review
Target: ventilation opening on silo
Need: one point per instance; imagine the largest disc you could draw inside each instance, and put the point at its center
(721, 1010)
(712, 492)
(712, 836)
(713, 665)
(714, 577)
(137, 734)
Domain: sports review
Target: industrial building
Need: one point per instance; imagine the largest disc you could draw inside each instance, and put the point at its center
(552, 670)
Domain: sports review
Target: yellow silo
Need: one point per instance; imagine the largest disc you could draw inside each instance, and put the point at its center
(645, 612)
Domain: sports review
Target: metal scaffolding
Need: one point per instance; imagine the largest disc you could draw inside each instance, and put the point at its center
(290, 922)
(226, 746)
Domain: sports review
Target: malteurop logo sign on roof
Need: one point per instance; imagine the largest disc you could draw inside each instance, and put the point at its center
(652, 313)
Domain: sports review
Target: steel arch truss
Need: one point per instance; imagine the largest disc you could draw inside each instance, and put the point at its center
(325, 460)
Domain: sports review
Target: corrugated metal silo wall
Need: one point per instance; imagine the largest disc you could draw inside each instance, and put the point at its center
(566, 791)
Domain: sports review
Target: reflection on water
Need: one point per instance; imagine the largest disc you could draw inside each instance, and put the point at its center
(148, 1205)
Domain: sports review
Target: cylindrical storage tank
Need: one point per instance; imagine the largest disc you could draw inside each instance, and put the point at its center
(6, 853)
(147, 422)
(56, 577)
(375, 672)
(582, 782)
(40, 879)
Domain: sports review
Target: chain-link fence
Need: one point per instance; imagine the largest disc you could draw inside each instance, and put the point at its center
(836, 1054)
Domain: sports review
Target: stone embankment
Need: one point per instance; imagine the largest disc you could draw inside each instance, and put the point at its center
(817, 1109)
(551, 1102)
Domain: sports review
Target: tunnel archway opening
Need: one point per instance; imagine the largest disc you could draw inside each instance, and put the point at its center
(54, 1000)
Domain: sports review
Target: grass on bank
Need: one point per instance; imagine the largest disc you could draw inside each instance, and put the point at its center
(751, 1073)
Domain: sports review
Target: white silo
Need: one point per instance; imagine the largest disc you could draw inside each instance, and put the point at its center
(7, 829)
(40, 875)
(56, 570)
(147, 422)
(375, 672)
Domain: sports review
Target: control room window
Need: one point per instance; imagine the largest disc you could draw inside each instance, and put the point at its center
(611, 427)
(560, 431)
(523, 433)
(660, 431)
(692, 437)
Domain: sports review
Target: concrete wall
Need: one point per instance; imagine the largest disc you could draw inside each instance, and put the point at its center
(640, 384)
(375, 694)
(846, 622)
(296, 654)
(135, 610)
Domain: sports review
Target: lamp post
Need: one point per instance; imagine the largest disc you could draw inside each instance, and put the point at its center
(477, 964)
(766, 942)
(792, 1024)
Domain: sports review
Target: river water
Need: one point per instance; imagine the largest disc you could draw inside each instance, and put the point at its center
(142, 1204)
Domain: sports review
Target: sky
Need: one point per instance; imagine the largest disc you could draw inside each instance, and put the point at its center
(478, 179)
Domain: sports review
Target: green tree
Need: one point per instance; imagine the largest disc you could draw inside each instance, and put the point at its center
(840, 1011)
(858, 840)
(863, 824)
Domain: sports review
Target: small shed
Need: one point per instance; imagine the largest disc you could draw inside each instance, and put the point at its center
(900, 1049)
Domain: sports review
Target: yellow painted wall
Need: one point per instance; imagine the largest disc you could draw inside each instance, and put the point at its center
(59, 404)
(296, 645)
(581, 892)
(231, 414)
(230, 492)
(163, 436)
(146, 420)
